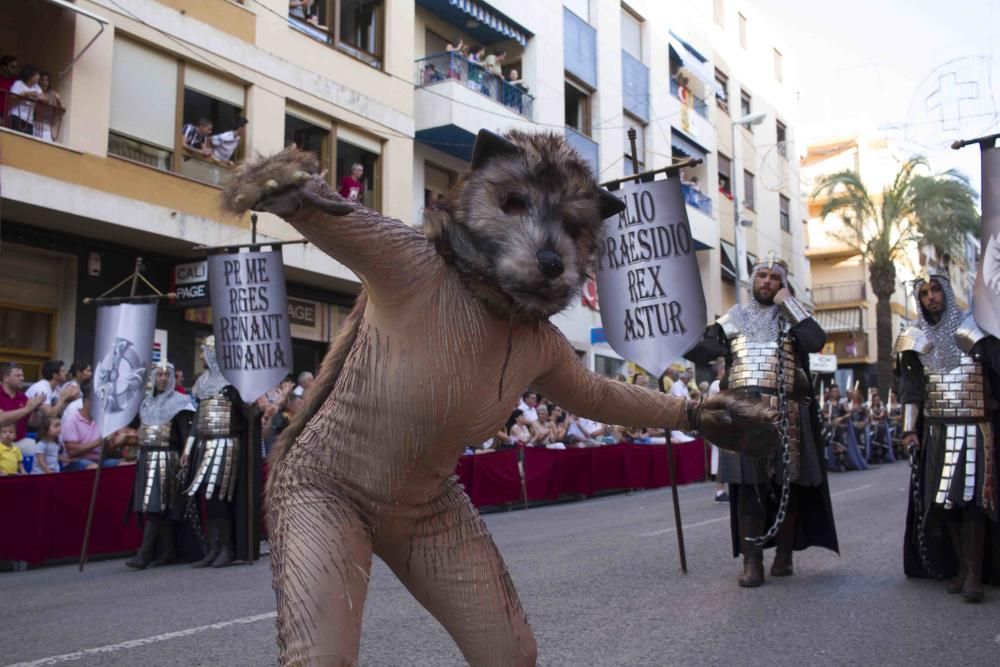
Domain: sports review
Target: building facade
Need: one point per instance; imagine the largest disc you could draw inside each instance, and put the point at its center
(370, 83)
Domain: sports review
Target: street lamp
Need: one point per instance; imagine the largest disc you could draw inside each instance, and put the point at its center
(741, 251)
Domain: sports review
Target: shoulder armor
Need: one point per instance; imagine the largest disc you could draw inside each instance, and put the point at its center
(912, 339)
(729, 327)
(968, 334)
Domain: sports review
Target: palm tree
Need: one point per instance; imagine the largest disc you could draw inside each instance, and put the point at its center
(937, 210)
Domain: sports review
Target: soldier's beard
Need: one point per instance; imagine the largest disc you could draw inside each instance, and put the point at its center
(763, 300)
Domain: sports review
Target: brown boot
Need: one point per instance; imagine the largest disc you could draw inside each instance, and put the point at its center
(973, 535)
(785, 542)
(142, 558)
(954, 528)
(214, 547)
(753, 555)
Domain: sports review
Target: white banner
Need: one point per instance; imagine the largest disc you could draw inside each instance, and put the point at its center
(652, 303)
(986, 294)
(123, 353)
(250, 319)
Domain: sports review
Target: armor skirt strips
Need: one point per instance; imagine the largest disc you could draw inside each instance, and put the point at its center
(155, 489)
(216, 468)
(962, 466)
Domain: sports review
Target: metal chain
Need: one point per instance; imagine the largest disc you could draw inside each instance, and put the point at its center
(918, 510)
(786, 449)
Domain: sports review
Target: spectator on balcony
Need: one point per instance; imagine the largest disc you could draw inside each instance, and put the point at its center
(45, 114)
(9, 69)
(302, 9)
(11, 460)
(53, 387)
(27, 93)
(351, 186)
(196, 139)
(493, 63)
(15, 406)
(224, 145)
(457, 55)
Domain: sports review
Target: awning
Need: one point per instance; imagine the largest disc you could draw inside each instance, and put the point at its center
(839, 320)
(686, 146)
(477, 19)
(691, 60)
(79, 10)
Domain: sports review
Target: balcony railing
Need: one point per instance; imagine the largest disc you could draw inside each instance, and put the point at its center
(832, 293)
(700, 106)
(696, 199)
(36, 118)
(454, 67)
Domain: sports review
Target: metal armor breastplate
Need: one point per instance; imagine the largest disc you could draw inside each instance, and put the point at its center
(755, 365)
(155, 436)
(957, 392)
(213, 417)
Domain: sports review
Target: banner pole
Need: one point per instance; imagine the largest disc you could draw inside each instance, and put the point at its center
(672, 466)
(100, 459)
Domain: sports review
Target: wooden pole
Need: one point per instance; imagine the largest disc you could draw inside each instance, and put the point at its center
(672, 466)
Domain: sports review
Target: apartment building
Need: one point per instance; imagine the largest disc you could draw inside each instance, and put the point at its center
(367, 82)
(844, 301)
(114, 181)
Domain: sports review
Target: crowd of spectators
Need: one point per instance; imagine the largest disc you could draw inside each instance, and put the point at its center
(27, 102)
(481, 70)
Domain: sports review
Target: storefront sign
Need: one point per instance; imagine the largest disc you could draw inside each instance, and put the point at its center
(823, 363)
(190, 282)
(302, 313)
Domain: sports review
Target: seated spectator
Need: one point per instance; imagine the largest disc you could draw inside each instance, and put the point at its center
(11, 460)
(276, 419)
(195, 139)
(79, 372)
(53, 386)
(559, 424)
(584, 432)
(45, 116)
(49, 449)
(16, 408)
(542, 430)
(9, 69)
(26, 93)
(516, 430)
(83, 440)
(224, 145)
(351, 186)
(528, 405)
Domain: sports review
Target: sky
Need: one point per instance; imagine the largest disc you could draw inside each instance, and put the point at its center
(919, 72)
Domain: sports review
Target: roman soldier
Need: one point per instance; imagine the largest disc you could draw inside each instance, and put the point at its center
(766, 343)
(946, 366)
(165, 422)
(218, 472)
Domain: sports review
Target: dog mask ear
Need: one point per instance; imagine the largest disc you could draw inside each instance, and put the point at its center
(489, 146)
(610, 204)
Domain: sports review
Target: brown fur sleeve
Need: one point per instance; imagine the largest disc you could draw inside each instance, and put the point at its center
(585, 393)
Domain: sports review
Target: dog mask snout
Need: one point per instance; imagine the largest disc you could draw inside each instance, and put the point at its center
(550, 263)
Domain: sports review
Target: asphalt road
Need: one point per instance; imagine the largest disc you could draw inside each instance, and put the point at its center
(600, 581)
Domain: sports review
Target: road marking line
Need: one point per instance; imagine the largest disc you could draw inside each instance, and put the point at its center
(135, 643)
(686, 526)
(726, 518)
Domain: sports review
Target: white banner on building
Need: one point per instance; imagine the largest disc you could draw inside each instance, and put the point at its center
(250, 319)
(652, 303)
(123, 353)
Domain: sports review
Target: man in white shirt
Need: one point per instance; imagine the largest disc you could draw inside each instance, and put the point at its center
(224, 145)
(680, 386)
(529, 401)
(53, 375)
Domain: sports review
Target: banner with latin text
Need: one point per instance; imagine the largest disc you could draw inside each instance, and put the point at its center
(253, 344)
(123, 351)
(986, 294)
(652, 304)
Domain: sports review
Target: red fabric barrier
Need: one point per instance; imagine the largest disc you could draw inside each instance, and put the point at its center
(44, 515)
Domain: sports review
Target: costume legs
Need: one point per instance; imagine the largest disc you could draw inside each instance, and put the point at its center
(450, 564)
(321, 555)
(751, 524)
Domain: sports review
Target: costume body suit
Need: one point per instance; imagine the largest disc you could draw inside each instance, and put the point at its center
(165, 422)
(217, 471)
(372, 471)
(946, 371)
(748, 337)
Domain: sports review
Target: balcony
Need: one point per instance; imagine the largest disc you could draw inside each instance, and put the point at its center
(683, 94)
(696, 199)
(830, 294)
(849, 347)
(585, 146)
(456, 98)
(39, 119)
